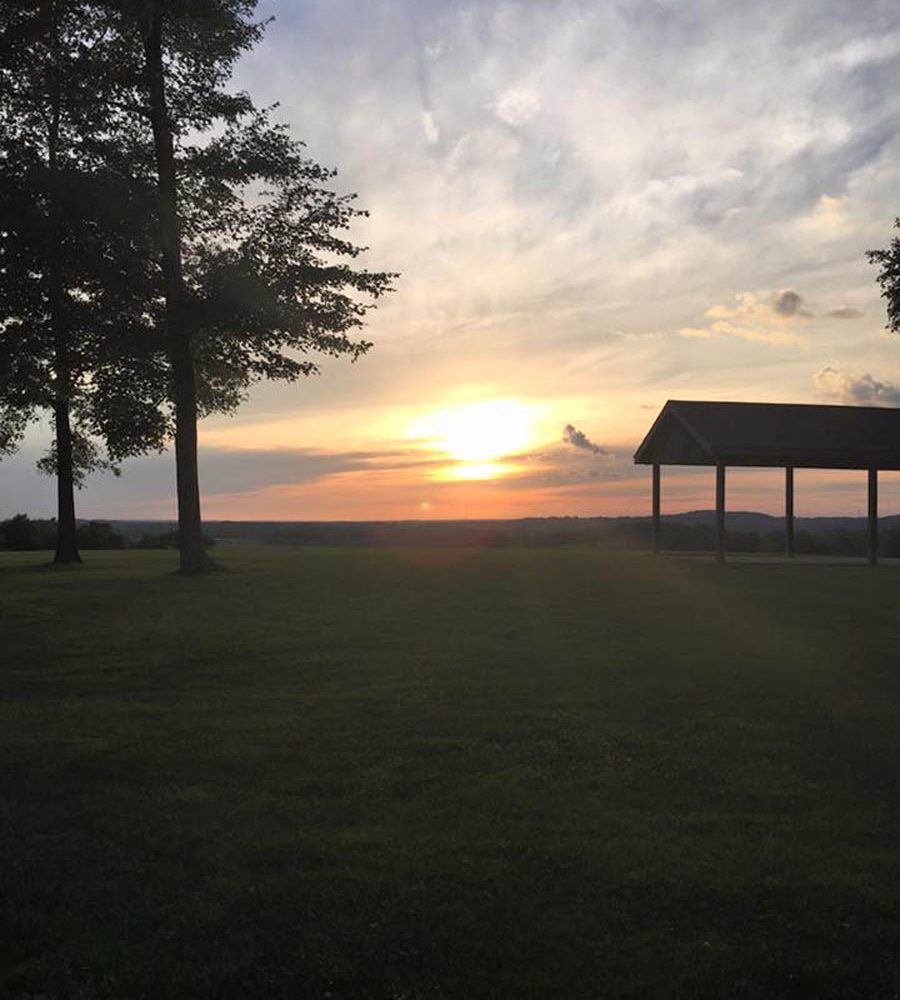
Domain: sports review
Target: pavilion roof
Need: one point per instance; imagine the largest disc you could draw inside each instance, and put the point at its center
(773, 434)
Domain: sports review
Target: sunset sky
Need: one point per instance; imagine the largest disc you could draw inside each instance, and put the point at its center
(595, 206)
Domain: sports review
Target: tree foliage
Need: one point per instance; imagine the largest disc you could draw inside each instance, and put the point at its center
(889, 278)
(268, 268)
(75, 230)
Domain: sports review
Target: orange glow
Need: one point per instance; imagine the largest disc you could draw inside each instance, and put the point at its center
(383, 495)
(479, 470)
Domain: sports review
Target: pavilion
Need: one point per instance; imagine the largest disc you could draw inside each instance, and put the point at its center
(772, 435)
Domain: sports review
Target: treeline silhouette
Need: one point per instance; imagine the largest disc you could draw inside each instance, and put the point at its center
(693, 532)
(22, 534)
(609, 534)
(828, 536)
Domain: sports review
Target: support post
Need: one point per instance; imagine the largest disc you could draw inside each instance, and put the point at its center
(789, 511)
(873, 516)
(655, 527)
(720, 513)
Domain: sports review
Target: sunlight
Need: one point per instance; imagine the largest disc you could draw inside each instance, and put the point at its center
(478, 433)
(476, 470)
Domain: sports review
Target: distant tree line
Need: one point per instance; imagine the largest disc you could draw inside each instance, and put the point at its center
(24, 534)
(606, 534)
(21, 533)
(164, 243)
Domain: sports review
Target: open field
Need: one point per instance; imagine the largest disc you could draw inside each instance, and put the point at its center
(448, 774)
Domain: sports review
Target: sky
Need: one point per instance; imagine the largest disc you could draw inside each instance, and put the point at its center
(594, 207)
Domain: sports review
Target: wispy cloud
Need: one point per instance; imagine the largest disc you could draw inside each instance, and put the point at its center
(517, 106)
(845, 312)
(671, 160)
(769, 319)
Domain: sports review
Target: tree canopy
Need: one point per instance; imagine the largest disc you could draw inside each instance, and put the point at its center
(889, 278)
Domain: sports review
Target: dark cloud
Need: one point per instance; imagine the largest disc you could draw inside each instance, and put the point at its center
(577, 438)
(859, 390)
(845, 312)
(789, 303)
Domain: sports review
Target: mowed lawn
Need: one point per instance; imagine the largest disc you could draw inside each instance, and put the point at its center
(448, 774)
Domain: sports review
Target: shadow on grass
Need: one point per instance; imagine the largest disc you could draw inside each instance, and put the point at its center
(40, 568)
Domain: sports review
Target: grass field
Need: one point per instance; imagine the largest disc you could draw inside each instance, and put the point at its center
(448, 774)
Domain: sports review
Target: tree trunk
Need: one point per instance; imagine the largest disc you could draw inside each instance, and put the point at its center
(193, 558)
(66, 531)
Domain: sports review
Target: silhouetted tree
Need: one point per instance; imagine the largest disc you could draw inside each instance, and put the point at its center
(247, 282)
(72, 251)
(889, 278)
(19, 534)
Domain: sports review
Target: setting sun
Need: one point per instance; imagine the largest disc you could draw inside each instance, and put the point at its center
(478, 433)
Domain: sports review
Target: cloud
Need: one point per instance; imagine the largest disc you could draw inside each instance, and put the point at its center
(789, 303)
(560, 467)
(845, 312)
(767, 319)
(867, 50)
(860, 390)
(423, 54)
(517, 106)
(623, 169)
(238, 470)
(751, 318)
(430, 127)
(578, 439)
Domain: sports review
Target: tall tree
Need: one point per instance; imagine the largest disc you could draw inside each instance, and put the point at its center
(67, 246)
(247, 281)
(889, 278)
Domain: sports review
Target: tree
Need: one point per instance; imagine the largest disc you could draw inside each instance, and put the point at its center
(889, 278)
(149, 279)
(19, 534)
(246, 283)
(75, 225)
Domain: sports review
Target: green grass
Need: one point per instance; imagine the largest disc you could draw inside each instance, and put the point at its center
(448, 774)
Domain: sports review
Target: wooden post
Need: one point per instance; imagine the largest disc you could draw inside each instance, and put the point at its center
(655, 510)
(873, 516)
(789, 511)
(720, 513)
